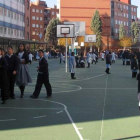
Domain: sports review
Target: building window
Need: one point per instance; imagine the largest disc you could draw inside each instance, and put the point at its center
(41, 18)
(124, 6)
(1, 11)
(116, 21)
(132, 8)
(37, 25)
(37, 10)
(17, 32)
(124, 14)
(8, 13)
(132, 17)
(41, 11)
(1, 30)
(41, 26)
(52, 13)
(127, 15)
(12, 32)
(33, 25)
(27, 5)
(5, 12)
(127, 23)
(37, 18)
(5, 30)
(33, 10)
(37, 33)
(9, 31)
(15, 16)
(124, 23)
(33, 33)
(116, 31)
(33, 17)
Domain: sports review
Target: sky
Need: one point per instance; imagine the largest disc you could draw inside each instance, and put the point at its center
(51, 3)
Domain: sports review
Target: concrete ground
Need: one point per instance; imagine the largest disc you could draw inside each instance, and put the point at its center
(95, 106)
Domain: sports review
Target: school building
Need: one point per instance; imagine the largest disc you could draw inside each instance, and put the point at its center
(112, 12)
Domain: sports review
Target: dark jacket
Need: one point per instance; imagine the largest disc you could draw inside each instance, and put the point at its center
(134, 65)
(25, 56)
(12, 62)
(43, 66)
(138, 78)
(108, 59)
(3, 65)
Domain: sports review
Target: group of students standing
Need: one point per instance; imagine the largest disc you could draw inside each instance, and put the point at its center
(14, 69)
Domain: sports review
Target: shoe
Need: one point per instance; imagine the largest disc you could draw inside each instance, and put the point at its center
(3, 102)
(73, 78)
(48, 96)
(13, 97)
(21, 96)
(32, 96)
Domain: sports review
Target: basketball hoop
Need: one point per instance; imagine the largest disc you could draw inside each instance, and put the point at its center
(65, 35)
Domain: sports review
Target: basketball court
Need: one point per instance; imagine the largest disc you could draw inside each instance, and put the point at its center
(95, 106)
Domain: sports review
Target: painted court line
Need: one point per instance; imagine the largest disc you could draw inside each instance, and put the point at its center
(7, 120)
(59, 112)
(68, 114)
(103, 110)
(30, 108)
(80, 128)
(112, 88)
(39, 117)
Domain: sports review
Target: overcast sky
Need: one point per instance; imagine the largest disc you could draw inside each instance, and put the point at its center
(51, 3)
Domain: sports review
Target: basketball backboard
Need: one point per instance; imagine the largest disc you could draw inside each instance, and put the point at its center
(79, 27)
(65, 31)
(90, 38)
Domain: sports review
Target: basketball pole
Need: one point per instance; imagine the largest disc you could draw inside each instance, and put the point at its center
(66, 54)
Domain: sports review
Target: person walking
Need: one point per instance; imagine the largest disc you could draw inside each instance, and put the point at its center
(61, 58)
(72, 65)
(124, 57)
(134, 66)
(43, 77)
(108, 62)
(13, 64)
(113, 57)
(93, 56)
(88, 59)
(30, 58)
(103, 56)
(23, 77)
(3, 78)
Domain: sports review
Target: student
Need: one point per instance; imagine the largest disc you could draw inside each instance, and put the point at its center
(113, 57)
(124, 57)
(108, 62)
(138, 78)
(61, 58)
(13, 64)
(82, 61)
(94, 56)
(43, 77)
(72, 66)
(88, 59)
(3, 78)
(23, 77)
(134, 66)
(30, 58)
(103, 56)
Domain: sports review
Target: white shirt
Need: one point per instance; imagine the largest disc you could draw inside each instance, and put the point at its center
(0, 56)
(9, 55)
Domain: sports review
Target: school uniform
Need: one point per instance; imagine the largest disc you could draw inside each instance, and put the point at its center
(108, 63)
(3, 79)
(134, 67)
(13, 64)
(88, 59)
(113, 57)
(61, 58)
(127, 58)
(93, 57)
(42, 78)
(23, 77)
(103, 56)
(123, 57)
(72, 65)
(30, 58)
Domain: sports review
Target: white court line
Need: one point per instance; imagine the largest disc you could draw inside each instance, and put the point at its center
(7, 120)
(68, 114)
(103, 110)
(80, 128)
(112, 88)
(30, 108)
(39, 117)
(59, 112)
